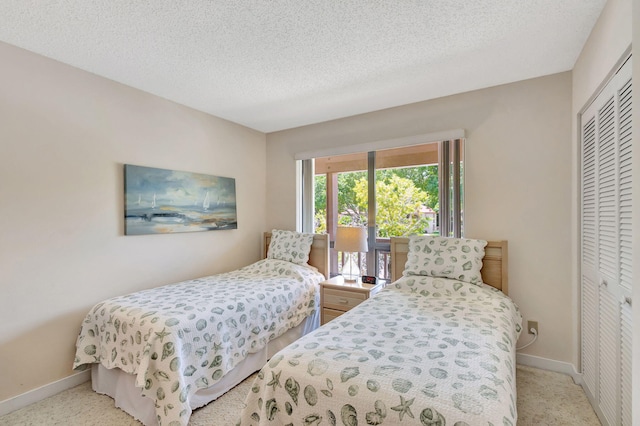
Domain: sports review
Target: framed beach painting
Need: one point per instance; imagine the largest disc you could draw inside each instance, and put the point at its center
(160, 201)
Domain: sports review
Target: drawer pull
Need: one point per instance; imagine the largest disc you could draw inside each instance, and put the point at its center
(627, 300)
(604, 282)
(344, 301)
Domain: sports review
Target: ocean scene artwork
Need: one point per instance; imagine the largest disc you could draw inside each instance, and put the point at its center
(159, 201)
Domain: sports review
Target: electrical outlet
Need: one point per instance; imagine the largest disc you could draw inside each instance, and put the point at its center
(534, 325)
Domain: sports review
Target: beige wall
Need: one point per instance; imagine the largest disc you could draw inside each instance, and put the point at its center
(64, 135)
(518, 184)
(605, 47)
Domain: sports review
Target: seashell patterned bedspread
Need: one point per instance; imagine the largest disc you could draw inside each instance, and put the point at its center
(423, 351)
(185, 336)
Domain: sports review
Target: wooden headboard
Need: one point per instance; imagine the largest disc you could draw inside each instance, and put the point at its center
(494, 264)
(319, 255)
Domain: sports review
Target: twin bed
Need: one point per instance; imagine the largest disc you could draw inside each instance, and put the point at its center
(436, 347)
(161, 353)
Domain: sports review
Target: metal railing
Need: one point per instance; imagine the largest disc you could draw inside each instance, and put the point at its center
(384, 263)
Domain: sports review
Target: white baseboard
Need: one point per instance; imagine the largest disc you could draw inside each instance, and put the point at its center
(35, 395)
(551, 365)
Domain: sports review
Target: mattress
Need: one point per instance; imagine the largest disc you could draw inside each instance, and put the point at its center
(423, 351)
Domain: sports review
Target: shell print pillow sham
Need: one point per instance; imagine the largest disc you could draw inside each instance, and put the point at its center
(290, 246)
(457, 258)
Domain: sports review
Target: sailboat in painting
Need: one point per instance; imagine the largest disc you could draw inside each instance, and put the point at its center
(153, 202)
(205, 203)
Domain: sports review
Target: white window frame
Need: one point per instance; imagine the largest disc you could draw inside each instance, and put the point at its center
(449, 166)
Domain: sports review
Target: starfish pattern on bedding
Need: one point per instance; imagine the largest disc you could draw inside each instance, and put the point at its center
(403, 408)
(162, 334)
(275, 380)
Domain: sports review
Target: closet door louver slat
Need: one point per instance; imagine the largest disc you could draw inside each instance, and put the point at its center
(589, 197)
(625, 150)
(589, 334)
(626, 189)
(625, 364)
(607, 191)
(608, 376)
(589, 288)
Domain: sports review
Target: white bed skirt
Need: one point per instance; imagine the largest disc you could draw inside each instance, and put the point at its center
(121, 386)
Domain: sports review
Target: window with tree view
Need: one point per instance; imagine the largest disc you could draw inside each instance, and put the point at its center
(393, 192)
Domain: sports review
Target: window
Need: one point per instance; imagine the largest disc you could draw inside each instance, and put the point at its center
(392, 192)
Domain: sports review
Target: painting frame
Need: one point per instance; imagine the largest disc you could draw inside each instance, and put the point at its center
(163, 201)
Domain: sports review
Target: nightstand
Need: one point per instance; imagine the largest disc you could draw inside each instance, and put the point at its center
(338, 296)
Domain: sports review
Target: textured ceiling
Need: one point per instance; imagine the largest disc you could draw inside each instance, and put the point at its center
(277, 64)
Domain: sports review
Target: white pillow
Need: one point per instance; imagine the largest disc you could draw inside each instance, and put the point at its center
(290, 246)
(457, 258)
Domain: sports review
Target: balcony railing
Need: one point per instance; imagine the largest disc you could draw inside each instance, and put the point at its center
(384, 263)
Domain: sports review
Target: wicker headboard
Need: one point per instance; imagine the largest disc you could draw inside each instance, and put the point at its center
(494, 264)
(319, 255)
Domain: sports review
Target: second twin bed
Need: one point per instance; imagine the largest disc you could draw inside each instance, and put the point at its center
(435, 347)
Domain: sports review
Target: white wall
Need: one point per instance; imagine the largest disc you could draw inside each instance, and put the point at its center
(518, 184)
(64, 136)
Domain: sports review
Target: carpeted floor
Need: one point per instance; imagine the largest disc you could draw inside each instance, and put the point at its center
(548, 398)
(544, 398)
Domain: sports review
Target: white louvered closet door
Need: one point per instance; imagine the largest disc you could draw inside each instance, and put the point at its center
(606, 250)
